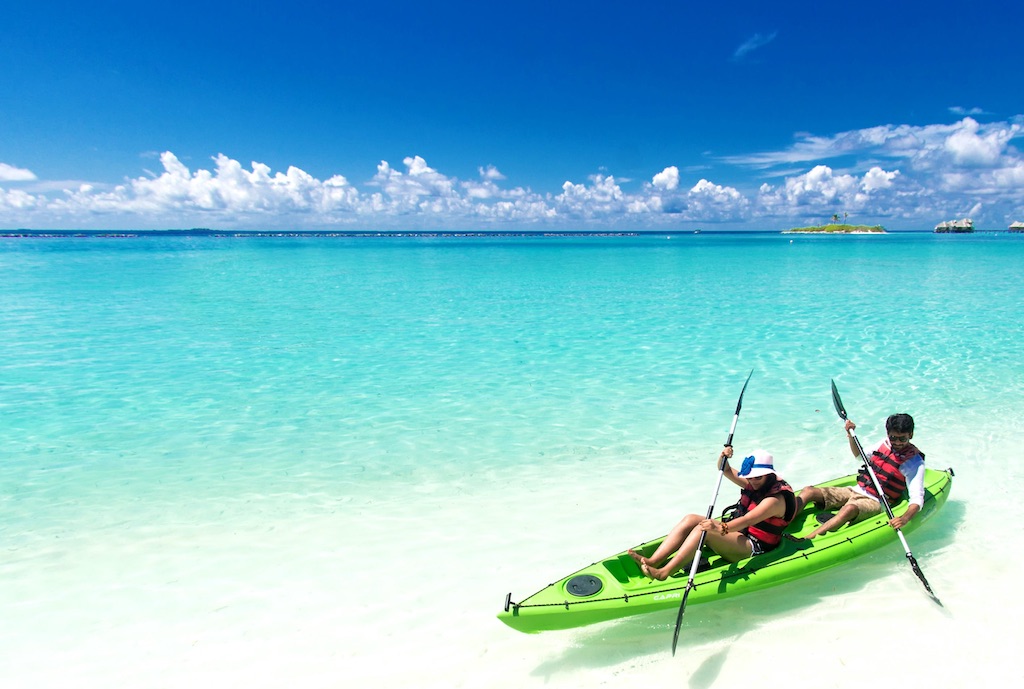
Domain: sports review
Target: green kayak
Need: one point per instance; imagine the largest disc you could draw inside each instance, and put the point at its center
(615, 587)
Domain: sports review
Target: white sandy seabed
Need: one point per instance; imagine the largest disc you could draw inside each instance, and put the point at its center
(401, 589)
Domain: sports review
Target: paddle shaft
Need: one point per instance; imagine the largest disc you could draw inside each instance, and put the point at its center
(871, 472)
(711, 509)
(881, 494)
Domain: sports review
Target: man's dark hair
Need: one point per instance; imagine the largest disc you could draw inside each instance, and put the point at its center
(900, 423)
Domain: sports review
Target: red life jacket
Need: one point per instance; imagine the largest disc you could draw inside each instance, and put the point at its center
(886, 465)
(769, 531)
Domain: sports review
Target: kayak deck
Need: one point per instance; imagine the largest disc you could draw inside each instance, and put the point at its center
(615, 587)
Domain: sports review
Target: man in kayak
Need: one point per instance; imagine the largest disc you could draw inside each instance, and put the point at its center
(766, 507)
(897, 463)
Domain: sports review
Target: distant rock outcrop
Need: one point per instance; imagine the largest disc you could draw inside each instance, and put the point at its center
(964, 225)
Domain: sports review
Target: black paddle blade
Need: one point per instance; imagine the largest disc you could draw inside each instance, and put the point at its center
(739, 402)
(679, 617)
(838, 402)
(920, 575)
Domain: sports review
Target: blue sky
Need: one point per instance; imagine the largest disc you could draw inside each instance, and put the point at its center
(503, 116)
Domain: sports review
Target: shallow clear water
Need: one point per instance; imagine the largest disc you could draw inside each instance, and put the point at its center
(296, 461)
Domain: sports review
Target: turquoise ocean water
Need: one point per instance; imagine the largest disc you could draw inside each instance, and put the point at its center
(312, 461)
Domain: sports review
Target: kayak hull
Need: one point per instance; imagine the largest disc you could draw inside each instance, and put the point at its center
(614, 587)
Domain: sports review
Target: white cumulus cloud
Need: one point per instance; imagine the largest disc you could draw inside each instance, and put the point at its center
(907, 172)
(9, 173)
(715, 202)
(667, 179)
(876, 178)
(17, 201)
(228, 190)
(602, 197)
(821, 192)
(969, 146)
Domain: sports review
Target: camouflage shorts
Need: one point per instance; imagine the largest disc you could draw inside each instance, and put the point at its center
(836, 498)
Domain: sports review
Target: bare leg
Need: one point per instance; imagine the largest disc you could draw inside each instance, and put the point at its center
(680, 560)
(733, 546)
(671, 543)
(809, 494)
(845, 515)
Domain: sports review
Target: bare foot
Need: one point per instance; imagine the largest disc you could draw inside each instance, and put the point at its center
(654, 572)
(824, 528)
(637, 557)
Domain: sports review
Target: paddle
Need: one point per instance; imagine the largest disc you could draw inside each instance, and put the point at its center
(881, 495)
(711, 509)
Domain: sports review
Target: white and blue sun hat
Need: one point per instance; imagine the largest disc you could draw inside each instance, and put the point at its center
(757, 463)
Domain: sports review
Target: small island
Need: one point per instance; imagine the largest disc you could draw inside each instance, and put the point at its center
(837, 228)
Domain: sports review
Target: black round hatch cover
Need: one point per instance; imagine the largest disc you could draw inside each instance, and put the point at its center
(583, 585)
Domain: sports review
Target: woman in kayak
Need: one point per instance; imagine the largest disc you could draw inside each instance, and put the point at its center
(767, 505)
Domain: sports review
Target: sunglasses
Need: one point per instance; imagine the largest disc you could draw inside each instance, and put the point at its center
(899, 438)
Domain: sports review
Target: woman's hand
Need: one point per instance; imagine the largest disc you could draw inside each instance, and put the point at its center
(724, 457)
(709, 525)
